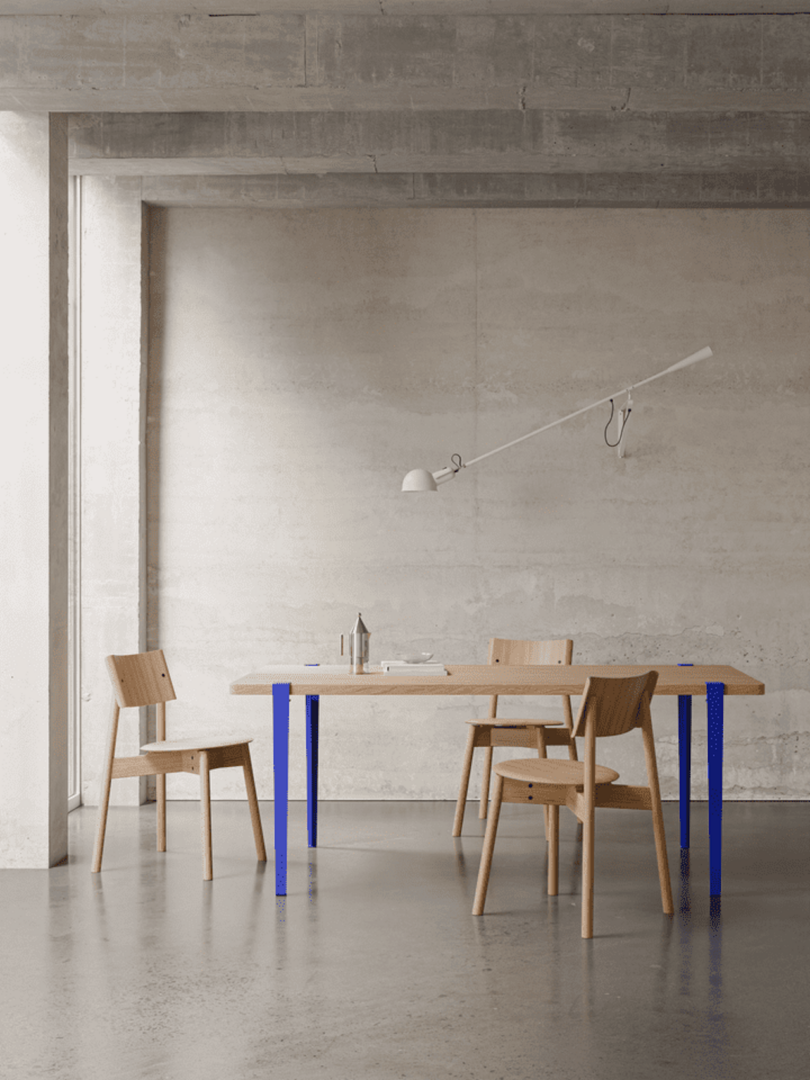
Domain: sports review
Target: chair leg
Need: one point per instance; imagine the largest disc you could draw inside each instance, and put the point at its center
(103, 805)
(663, 862)
(572, 756)
(553, 849)
(588, 825)
(466, 768)
(205, 807)
(160, 791)
(489, 847)
(658, 820)
(253, 803)
(482, 809)
(160, 780)
(542, 752)
(104, 797)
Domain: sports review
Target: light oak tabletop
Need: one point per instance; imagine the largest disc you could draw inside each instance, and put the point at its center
(496, 679)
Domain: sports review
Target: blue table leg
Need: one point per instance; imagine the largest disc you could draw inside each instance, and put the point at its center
(281, 761)
(714, 710)
(685, 763)
(313, 710)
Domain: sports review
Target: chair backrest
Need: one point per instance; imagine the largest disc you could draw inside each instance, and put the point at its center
(516, 651)
(616, 704)
(509, 651)
(140, 679)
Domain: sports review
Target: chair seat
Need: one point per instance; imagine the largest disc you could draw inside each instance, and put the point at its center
(192, 744)
(552, 771)
(515, 723)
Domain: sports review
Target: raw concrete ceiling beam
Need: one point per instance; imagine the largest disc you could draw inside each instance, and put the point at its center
(289, 62)
(397, 7)
(477, 142)
(494, 104)
(761, 189)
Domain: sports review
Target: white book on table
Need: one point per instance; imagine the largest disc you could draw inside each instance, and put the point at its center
(402, 667)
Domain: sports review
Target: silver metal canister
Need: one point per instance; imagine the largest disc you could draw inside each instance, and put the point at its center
(358, 646)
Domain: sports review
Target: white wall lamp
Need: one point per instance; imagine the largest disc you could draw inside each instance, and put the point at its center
(422, 480)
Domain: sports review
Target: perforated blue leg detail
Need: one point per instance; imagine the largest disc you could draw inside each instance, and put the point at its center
(281, 761)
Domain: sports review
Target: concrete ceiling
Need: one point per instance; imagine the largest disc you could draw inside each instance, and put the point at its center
(444, 100)
(399, 7)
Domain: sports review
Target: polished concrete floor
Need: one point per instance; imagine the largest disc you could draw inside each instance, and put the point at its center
(372, 968)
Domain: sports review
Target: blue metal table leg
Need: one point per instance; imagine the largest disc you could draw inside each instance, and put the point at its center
(281, 761)
(714, 710)
(313, 711)
(685, 763)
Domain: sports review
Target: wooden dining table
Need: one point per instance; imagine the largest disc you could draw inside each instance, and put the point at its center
(281, 682)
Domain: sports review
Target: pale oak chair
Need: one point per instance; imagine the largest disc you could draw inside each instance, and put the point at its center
(527, 734)
(143, 679)
(609, 706)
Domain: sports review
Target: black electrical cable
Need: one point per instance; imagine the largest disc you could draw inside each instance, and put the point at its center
(607, 425)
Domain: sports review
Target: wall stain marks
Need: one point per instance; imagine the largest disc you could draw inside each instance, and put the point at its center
(625, 104)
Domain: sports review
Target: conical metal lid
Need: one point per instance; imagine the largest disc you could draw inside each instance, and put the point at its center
(359, 627)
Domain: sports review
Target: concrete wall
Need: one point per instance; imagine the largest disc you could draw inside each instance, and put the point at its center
(308, 359)
(34, 440)
(113, 518)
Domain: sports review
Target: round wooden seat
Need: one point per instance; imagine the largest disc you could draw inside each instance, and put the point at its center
(191, 744)
(552, 771)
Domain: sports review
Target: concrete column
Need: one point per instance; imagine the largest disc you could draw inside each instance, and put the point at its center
(33, 489)
(113, 520)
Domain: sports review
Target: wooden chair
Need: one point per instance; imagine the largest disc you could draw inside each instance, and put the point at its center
(530, 734)
(143, 679)
(609, 706)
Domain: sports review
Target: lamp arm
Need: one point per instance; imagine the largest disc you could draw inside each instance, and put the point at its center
(703, 354)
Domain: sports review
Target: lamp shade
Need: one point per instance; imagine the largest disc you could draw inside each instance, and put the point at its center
(419, 480)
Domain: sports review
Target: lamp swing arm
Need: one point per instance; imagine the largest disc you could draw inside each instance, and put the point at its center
(449, 471)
